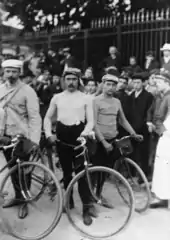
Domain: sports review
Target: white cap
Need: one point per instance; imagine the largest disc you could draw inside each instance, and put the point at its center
(110, 77)
(14, 63)
(166, 47)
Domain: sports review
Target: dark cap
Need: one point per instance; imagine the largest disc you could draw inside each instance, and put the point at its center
(150, 53)
(66, 49)
(113, 71)
(143, 76)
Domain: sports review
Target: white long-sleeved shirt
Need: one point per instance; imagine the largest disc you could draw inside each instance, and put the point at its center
(22, 111)
(70, 108)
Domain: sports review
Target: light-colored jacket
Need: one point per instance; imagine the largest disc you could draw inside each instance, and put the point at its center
(22, 112)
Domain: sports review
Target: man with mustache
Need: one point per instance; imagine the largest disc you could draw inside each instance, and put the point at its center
(22, 117)
(74, 118)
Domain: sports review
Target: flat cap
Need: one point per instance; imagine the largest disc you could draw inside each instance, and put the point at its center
(142, 76)
(14, 63)
(110, 77)
(74, 71)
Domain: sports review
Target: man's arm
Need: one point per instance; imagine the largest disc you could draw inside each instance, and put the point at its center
(124, 123)
(98, 133)
(89, 117)
(34, 119)
(48, 118)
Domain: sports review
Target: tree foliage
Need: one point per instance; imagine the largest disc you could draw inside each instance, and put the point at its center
(45, 14)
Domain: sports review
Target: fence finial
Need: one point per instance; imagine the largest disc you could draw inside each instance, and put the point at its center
(107, 22)
(152, 16)
(133, 18)
(129, 18)
(147, 16)
(162, 13)
(99, 22)
(103, 22)
(138, 17)
(110, 21)
(142, 17)
(125, 18)
(95, 23)
(157, 14)
(167, 13)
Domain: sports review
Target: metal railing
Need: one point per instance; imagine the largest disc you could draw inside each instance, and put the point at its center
(132, 33)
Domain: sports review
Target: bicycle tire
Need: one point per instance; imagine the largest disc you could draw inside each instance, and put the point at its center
(140, 173)
(59, 207)
(70, 189)
(39, 158)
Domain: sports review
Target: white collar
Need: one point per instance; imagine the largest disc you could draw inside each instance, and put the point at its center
(138, 93)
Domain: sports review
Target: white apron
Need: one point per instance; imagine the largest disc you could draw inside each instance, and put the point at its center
(161, 175)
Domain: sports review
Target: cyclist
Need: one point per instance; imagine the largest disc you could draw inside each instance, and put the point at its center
(19, 116)
(107, 113)
(74, 117)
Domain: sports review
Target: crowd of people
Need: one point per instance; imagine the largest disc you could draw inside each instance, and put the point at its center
(130, 100)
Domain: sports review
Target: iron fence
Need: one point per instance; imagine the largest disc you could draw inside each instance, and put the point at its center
(133, 34)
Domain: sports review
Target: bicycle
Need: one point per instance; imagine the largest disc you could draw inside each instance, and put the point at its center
(90, 173)
(133, 173)
(38, 174)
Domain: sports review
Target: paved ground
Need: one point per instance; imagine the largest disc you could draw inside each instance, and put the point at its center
(152, 225)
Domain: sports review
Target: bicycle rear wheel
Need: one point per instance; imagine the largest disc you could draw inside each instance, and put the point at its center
(104, 225)
(134, 175)
(44, 214)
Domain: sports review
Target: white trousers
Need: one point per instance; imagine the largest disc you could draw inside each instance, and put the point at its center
(161, 174)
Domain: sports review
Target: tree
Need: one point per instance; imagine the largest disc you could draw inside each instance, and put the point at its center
(45, 14)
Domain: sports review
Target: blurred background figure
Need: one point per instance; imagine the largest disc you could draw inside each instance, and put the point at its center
(91, 87)
(150, 62)
(133, 66)
(165, 63)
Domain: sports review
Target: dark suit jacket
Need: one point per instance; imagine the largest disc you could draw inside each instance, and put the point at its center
(138, 110)
(109, 62)
(71, 62)
(154, 64)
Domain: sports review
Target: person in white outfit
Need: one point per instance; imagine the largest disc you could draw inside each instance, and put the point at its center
(161, 174)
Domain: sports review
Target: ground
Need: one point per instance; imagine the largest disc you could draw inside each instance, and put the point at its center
(153, 225)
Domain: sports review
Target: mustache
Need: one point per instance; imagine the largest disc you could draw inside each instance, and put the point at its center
(71, 85)
(11, 78)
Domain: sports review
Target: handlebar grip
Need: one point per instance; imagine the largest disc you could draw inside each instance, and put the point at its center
(82, 140)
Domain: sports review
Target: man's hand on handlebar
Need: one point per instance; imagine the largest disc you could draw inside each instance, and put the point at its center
(90, 135)
(52, 140)
(137, 137)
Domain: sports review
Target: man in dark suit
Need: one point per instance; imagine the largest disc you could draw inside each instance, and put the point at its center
(151, 63)
(111, 61)
(140, 102)
(69, 61)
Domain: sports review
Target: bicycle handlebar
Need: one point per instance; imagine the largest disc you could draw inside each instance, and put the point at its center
(4, 148)
(82, 141)
(13, 143)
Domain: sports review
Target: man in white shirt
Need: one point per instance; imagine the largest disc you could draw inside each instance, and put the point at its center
(74, 117)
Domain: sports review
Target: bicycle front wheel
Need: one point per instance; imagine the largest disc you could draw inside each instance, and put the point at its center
(138, 182)
(112, 214)
(43, 214)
